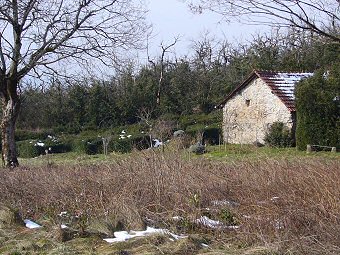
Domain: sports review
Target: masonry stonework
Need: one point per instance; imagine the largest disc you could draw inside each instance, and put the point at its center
(249, 113)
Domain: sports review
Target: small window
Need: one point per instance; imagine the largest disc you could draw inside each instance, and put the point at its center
(247, 102)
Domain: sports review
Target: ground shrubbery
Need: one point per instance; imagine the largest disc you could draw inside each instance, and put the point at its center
(289, 205)
(278, 135)
(121, 139)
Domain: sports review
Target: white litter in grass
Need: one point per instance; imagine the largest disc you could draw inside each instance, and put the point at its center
(62, 214)
(121, 236)
(209, 223)
(279, 224)
(176, 237)
(123, 132)
(274, 198)
(63, 226)
(128, 136)
(177, 218)
(30, 224)
(233, 227)
(204, 245)
(205, 221)
(225, 202)
(157, 143)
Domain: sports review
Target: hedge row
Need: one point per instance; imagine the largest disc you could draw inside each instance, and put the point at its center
(34, 148)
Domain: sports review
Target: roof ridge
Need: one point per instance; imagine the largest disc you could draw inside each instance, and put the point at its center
(276, 71)
(281, 86)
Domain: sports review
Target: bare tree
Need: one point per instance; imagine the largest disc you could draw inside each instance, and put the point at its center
(38, 35)
(165, 49)
(320, 17)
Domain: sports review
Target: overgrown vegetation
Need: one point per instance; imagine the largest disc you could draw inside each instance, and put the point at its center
(152, 188)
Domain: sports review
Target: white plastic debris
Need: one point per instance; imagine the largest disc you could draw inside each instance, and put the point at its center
(214, 224)
(121, 236)
(62, 214)
(204, 245)
(225, 203)
(32, 225)
(41, 144)
(157, 143)
(205, 221)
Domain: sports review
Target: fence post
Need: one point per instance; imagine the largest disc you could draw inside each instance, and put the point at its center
(309, 148)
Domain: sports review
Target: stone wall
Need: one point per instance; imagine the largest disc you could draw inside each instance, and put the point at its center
(247, 116)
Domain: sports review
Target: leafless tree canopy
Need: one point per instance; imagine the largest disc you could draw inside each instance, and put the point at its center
(319, 16)
(36, 34)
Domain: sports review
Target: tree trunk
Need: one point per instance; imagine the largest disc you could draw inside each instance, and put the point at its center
(10, 112)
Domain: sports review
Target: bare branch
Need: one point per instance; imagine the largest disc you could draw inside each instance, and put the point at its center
(41, 33)
(321, 17)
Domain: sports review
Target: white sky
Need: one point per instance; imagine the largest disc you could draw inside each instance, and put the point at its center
(172, 18)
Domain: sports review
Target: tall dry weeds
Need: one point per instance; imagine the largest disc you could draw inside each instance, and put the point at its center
(293, 205)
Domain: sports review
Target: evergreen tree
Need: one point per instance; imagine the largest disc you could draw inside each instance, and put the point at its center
(318, 110)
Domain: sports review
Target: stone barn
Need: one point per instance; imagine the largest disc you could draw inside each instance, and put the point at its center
(262, 99)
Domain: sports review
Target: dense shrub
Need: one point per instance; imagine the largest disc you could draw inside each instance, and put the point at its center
(127, 144)
(34, 148)
(88, 146)
(278, 135)
(29, 149)
(94, 145)
(208, 125)
(317, 111)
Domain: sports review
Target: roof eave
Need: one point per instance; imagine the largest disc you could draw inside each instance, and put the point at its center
(253, 75)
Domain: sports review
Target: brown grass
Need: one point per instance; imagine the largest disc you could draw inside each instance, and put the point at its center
(292, 206)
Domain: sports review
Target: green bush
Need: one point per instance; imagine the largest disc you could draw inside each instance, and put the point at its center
(126, 145)
(88, 146)
(207, 124)
(94, 145)
(278, 135)
(317, 111)
(29, 149)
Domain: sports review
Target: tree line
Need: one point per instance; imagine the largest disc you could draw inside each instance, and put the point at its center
(194, 84)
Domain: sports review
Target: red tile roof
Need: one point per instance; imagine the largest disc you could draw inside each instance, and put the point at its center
(281, 84)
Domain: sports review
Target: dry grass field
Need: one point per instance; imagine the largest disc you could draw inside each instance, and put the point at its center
(265, 205)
